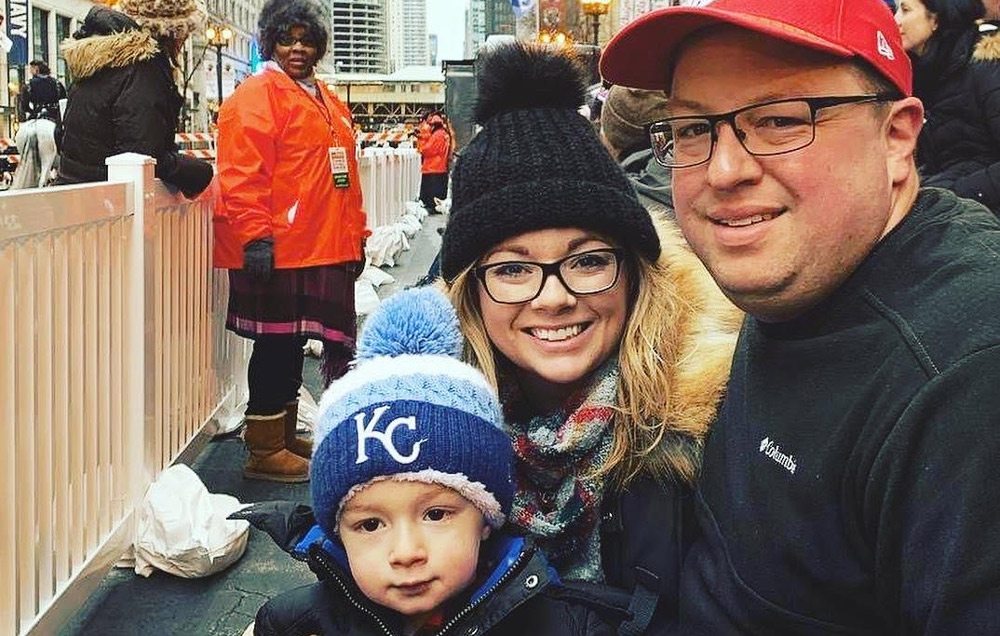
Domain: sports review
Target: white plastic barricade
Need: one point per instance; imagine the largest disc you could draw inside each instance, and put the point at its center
(114, 359)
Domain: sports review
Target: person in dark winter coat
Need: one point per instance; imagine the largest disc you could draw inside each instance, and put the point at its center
(411, 482)
(41, 99)
(850, 478)
(124, 98)
(608, 341)
(956, 74)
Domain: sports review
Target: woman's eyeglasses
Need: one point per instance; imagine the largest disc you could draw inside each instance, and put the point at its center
(288, 39)
(515, 282)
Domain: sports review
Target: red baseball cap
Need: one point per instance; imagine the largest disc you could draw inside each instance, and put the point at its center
(642, 55)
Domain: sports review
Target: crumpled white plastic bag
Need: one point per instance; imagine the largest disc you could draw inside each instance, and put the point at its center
(415, 209)
(385, 243)
(409, 224)
(366, 299)
(182, 528)
(308, 410)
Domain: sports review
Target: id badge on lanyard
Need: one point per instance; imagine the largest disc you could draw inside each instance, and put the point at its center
(339, 167)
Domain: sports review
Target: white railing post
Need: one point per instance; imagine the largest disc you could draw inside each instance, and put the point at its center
(137, 169)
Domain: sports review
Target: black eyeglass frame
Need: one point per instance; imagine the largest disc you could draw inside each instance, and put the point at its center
(553, 269)
(815, 104)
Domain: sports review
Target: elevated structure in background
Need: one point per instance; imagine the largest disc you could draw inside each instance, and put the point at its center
(384, 100)
(415, 33)
(358, 37)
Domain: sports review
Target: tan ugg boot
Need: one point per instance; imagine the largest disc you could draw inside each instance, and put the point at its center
(269, 459)
(299, 446)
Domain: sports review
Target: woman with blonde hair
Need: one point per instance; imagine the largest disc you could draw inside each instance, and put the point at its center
(607, 340)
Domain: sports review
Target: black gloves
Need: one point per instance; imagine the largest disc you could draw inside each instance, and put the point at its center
(258, 259)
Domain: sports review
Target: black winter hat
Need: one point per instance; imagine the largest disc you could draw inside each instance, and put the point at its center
(537, 163)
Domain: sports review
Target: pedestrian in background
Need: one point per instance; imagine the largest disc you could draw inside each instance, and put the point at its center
(39, 131)
(289, 227)
(849, 483)
(956, 74)
(124, 97)
(42, 94)
(625, 118)
(435, 149)
(609, 344)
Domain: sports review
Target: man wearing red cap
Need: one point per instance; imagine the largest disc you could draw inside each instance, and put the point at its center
(850, 482)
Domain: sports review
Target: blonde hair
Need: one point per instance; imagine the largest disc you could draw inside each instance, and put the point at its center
(662, 414)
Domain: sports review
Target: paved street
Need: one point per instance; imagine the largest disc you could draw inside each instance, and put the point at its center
(223, 605)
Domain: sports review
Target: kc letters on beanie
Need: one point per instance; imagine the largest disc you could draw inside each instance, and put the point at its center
(410, 410)
(537, 163)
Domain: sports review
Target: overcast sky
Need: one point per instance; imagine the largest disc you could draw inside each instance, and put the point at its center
(446, 18)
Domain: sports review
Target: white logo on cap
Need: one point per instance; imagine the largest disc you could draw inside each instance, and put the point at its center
(883, 47)
(367, 431)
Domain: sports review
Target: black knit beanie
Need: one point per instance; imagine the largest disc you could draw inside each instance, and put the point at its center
(537, 163)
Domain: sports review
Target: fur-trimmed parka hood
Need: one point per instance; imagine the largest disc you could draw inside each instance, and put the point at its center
(987, 48)
(107, 39)
(700, 369)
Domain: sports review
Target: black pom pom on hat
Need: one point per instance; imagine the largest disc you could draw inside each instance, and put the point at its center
(537, 163)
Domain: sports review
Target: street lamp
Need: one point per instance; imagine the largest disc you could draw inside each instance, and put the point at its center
(218, 36)
(595, 9)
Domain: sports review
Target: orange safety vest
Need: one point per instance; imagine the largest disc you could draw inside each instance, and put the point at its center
(275, 177)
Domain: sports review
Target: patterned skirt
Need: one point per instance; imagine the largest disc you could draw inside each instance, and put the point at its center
(310, 302)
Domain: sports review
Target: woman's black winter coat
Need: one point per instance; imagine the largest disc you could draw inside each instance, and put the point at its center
(123, 99)
(959, 147)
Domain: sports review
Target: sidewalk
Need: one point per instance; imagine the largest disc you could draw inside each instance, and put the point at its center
(224, 604)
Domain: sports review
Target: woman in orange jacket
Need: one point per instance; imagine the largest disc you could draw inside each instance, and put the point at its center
(290, 227)
(435, 151)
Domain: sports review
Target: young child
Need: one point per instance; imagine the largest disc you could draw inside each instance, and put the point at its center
(411, 483)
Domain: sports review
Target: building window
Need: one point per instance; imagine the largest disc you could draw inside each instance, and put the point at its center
(39, 35)
(63, 28)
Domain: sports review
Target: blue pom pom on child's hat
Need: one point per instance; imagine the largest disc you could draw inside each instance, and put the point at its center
(411, 410)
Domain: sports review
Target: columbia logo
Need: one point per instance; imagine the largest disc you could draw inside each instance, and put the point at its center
(882, 45)
(772, 450)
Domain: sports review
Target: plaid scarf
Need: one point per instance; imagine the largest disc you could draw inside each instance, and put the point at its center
(554, 501)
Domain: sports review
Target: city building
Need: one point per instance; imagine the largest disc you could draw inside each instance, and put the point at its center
(359, 36)
(414, 33)
(485, 18)
(432, 49)
(394, 34)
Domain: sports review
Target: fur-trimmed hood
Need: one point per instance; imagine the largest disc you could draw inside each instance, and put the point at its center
(987, 49)
(700, 370)
(92, 54)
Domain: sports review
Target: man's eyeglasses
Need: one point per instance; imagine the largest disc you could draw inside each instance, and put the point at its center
(515, 282)
(287, 39)
(771, 128)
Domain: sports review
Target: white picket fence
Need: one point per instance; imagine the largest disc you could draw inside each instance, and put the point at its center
(114, 364)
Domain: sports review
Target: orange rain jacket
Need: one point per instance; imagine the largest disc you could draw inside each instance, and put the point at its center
(435, 151)
(275, 177)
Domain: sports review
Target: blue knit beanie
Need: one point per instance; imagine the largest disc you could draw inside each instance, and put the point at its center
(411, 410)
